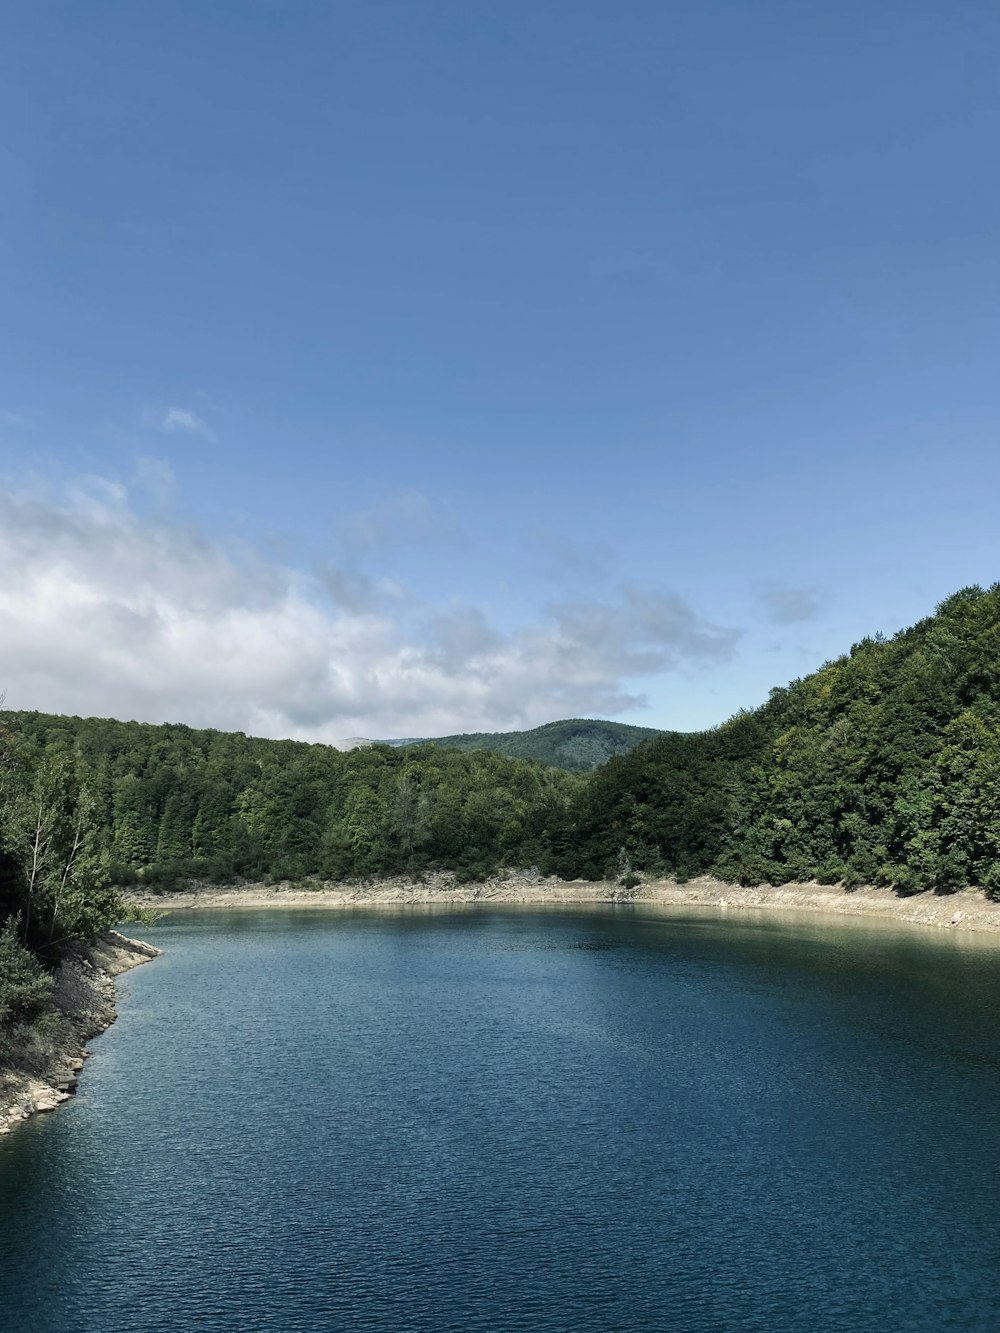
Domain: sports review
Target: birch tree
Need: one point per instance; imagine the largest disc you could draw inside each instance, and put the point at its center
(51, 829)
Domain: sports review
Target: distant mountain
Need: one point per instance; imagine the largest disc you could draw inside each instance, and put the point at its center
(578, 744)
(364, 742)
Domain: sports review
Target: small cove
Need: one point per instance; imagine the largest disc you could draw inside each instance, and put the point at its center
(592, 1119)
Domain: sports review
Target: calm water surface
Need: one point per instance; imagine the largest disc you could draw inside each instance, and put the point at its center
(506, 1120)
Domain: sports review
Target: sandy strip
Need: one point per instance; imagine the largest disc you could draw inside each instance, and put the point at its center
(966, 911)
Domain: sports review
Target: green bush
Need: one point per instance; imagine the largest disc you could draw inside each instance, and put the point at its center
(25, 986)
(949, 872)
(991, 881)
(832, 871)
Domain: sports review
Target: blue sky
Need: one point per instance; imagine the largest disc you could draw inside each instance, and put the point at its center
(398, 368)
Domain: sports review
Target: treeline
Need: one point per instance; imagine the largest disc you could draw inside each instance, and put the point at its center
(54, 885)
(882, 767)
(171, 801)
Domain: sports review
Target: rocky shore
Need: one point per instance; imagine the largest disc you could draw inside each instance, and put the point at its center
(84, 1004)
(968, 910)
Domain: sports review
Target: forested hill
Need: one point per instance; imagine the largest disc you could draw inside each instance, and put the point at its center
(173, 801)
(577, 744)
(881, 767)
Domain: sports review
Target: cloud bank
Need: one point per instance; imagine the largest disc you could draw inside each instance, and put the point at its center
(105, 613)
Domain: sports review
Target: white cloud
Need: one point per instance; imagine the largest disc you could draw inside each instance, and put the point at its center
(101, 613)
(189, 423)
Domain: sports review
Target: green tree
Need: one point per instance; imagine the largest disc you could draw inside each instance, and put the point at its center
(49, 827)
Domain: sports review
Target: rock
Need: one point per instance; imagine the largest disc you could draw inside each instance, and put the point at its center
(84, 997)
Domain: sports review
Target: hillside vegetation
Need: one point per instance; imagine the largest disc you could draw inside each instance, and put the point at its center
(173, 801)
(882, 767)
(577, 744)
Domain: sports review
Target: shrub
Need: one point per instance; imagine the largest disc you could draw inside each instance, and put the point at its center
(25, 986)
(832, 871)
(949, 872)
(991, 881)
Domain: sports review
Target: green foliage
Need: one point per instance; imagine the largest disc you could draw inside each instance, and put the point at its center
(883, 766)
(50, 829)
(25, 986)
(174, 803)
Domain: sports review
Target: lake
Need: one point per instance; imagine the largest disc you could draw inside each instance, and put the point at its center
(514, 1119)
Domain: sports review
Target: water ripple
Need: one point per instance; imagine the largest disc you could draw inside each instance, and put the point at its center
(504, 1121)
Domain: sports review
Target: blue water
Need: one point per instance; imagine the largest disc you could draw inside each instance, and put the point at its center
(506, 1120)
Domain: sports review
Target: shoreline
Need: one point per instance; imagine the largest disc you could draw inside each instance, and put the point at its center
(83, 1001)
(84, 993)
(967, 910)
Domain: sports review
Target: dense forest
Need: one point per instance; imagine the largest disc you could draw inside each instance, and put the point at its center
(577, 744)
(54, 885)
(882, 767)
(172, 801)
